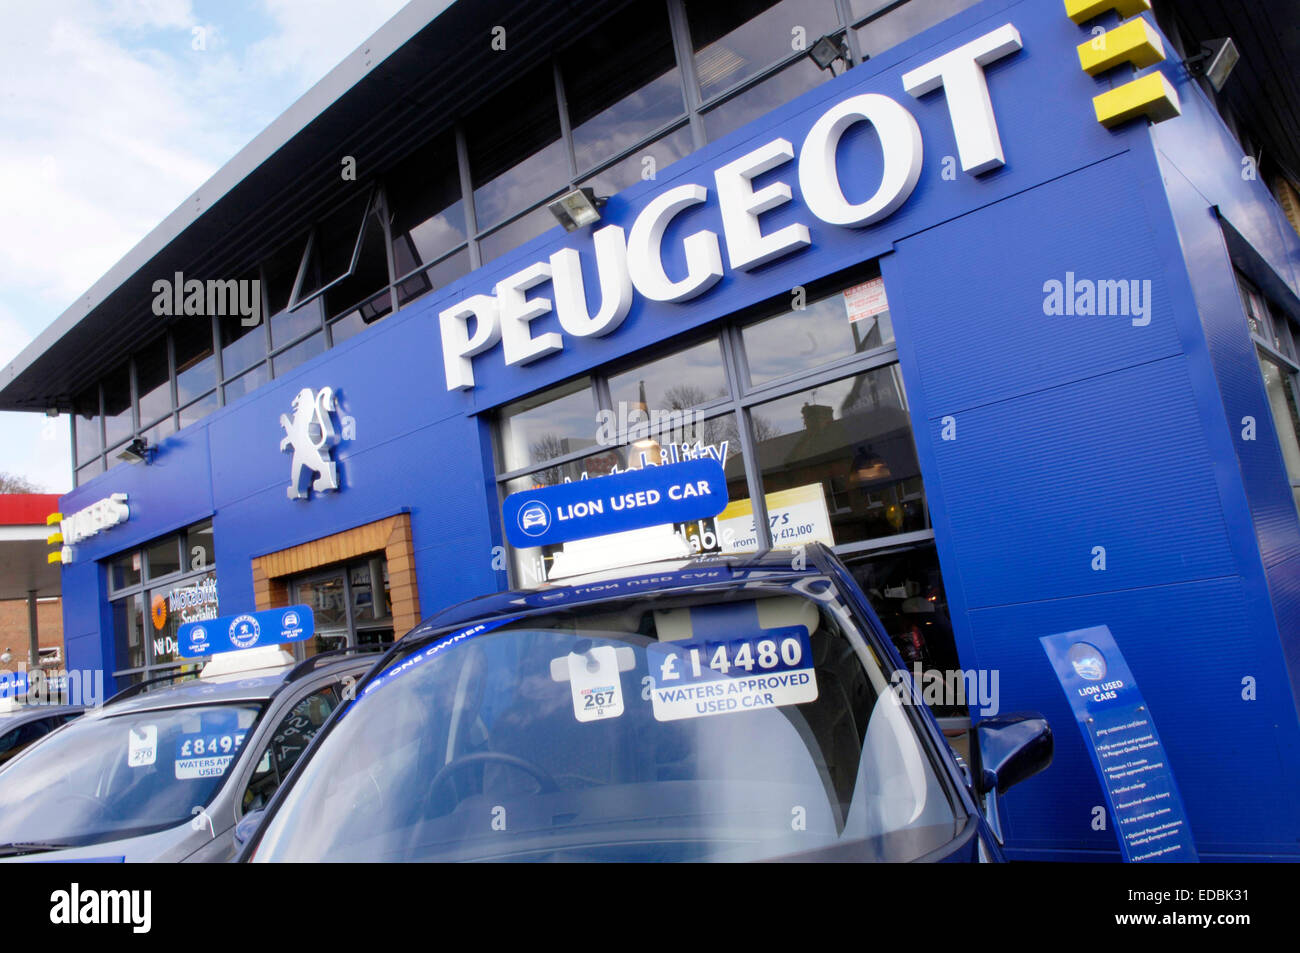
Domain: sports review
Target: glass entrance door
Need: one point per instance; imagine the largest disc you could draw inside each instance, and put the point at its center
(350, 602)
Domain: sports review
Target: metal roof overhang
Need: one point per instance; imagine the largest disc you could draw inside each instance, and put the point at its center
(420, 71)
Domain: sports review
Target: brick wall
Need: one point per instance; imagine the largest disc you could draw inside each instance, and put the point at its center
(13, 625)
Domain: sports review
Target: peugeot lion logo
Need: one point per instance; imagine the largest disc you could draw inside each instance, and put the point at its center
(244, 631)
(1088, 661)
(311, 436)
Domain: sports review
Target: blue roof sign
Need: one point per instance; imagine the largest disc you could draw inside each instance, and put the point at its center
(633, 499)
(246, 630)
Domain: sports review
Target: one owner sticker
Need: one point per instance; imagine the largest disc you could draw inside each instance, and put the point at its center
(715, 677)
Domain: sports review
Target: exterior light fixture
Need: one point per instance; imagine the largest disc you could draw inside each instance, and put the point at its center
(137, 451)
(827, 50)
(1215, 61)
(575, 209)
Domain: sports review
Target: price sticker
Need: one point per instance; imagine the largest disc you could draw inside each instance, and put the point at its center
(142, 746)
(595, 685)
(731, 676)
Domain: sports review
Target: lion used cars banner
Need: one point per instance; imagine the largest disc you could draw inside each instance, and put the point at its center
(246, 630)
(1126, 751)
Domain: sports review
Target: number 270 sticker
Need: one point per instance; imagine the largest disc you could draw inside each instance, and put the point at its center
(720, 677)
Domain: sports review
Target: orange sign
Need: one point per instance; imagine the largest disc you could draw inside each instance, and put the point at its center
(158, 612)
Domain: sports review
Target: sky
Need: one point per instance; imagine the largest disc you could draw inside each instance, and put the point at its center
(112, 112)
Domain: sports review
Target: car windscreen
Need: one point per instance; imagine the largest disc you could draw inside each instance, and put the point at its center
(732, 726)
(105, 778)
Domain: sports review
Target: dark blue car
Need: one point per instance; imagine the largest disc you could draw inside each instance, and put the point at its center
(725, 709)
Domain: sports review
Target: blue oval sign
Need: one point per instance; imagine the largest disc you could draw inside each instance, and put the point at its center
(633, 499)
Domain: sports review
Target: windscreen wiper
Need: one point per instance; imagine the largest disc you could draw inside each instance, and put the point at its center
(17, 848)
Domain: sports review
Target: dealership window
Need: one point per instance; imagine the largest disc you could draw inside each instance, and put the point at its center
(119, 423)
(816, 443)
(350, 601)
(822, 430)
(152, 591)
(621, 84)
(1275, 336)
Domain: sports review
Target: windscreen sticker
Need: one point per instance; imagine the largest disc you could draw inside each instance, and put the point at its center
(720, 677)
(206, 755)
(595, 685)
(142, 746)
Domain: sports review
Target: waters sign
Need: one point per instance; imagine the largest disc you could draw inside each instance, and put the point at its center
(1125, 749)
(245, 631)
(633, 499)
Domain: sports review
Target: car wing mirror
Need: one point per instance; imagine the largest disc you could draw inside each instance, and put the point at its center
(1009, 748)
(247, 826)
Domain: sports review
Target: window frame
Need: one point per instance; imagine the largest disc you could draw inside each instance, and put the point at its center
(741, 399)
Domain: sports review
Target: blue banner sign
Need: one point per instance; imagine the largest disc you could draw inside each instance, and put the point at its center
(633, 499)
(1126, 751)
(13, 684)
(246, 631)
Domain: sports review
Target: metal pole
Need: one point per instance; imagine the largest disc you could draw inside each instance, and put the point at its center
(33, 634)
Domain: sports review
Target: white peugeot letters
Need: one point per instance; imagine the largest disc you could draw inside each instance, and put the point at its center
(637, 260)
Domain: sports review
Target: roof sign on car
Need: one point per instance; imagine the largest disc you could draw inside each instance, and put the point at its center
(246, 630)
(632, 499)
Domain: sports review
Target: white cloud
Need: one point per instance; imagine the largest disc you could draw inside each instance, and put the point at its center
(111, 120)
(315, 35)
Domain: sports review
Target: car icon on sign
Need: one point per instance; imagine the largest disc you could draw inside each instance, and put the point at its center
(534, 518)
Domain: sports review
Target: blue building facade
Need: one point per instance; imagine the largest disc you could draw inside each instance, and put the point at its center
(1126, 467)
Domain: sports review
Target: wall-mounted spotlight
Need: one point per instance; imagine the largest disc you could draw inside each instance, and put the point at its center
(137, 451)
(575, 209)
(1215, 61)
(829, 49)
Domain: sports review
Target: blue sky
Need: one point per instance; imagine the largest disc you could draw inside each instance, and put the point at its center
(111, 113)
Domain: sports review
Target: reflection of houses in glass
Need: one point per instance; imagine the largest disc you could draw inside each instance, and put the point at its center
(862, 456)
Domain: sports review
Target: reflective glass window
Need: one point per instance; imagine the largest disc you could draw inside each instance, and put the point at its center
(198, 410)
(797, 78)
(646, 163)
(118, 420)
(548, 425)
(242, 344)
(247, 384)
(840, 325)
(516, 157)
(838, 461)
(333, 245)
(735, 40)
(687, 378)
(436, 276)
(368, 277)
(621, 82)
(905, 22)
(426, 211)
(511, 236)
(300, 352)
(196, 368)
(86, 410)
(128, 631)
(153, 381)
